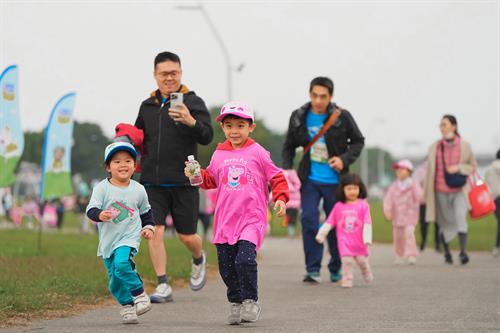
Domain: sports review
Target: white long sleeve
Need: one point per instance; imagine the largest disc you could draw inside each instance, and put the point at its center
(367, 233)
(323, 232)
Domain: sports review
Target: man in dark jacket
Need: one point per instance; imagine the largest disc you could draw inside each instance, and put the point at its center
(320, 168)
(170, 136)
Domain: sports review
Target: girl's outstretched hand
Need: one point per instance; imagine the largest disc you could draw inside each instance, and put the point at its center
(281, 205)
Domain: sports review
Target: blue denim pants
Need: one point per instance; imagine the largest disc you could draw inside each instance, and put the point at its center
(311, 194)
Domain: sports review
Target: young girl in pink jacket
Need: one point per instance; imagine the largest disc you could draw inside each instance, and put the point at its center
(353, 226)
(401, 206)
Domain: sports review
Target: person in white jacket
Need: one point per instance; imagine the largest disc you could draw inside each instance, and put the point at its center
(493, 180)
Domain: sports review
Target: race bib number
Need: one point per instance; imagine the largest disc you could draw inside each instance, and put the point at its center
(319, 153)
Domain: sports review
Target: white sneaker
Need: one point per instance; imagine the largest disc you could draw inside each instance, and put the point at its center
(198, 274)
(234, 317)
(412, 260)
(162, 294)
(398, 261)
(495, 252)
(142, 304)
(250, 311)
(128, 315)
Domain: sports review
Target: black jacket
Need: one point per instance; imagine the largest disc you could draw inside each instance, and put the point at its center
(343, 139)
(167, 144)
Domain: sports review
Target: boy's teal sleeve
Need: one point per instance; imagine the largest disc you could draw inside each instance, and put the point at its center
(97, 198)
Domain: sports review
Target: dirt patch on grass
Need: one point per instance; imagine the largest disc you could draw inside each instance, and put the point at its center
(24, 319)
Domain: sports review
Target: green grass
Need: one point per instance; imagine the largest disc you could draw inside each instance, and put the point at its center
(482, 232)
(67, 271)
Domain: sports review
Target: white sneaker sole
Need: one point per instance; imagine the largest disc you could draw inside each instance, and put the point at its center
(130, 321)
(161, 299)
(199, 286)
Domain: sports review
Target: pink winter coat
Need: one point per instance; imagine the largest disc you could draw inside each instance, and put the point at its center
(293, 188)
(403, 204)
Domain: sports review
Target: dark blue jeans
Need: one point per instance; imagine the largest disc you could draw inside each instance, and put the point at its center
(238, 269)
(311, 194)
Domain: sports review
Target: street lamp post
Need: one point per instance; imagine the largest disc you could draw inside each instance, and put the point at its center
(223, 47)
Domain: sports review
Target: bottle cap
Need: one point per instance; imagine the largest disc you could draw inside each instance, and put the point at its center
(191, 158)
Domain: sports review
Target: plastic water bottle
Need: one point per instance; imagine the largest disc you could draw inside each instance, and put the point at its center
(195, 173)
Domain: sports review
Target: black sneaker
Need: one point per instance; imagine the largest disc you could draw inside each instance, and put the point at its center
(312, 277)
(448, 259)
(464, 258)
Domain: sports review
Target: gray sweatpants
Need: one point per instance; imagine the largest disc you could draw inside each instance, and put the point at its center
(451, 210)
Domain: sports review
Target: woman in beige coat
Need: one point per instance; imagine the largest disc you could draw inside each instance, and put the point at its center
(447, 205)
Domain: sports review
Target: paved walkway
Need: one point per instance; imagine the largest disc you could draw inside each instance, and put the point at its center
(428, 297)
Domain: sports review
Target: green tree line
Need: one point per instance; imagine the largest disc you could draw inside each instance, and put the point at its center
(89, 142)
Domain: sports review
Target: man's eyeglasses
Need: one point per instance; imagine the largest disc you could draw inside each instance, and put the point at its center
(166, 75)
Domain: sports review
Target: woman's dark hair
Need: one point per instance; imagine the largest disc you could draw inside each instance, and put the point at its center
(167, 56)
(453, 120)
(322, 81)
(351, 179)
(498, 154)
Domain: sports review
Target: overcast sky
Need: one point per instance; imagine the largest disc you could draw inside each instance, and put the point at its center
(398, 66)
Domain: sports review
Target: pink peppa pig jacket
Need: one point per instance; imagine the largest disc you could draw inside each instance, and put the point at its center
(402, 202)
(241, 178)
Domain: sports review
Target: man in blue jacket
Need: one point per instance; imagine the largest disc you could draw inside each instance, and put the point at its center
(320, 168)
(170, 136)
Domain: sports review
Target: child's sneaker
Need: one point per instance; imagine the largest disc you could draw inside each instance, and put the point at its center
(142, 304)
(234, 317)
(198, 274)
(128, 314)
(398, 261)
(250, 311)
(412, 260)
(162, 294)
(346, 283)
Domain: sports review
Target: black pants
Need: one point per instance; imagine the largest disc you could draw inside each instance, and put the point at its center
(497, 213)
(424, 226)
(238, 269)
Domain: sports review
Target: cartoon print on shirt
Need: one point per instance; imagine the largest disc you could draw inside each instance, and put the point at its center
(350, 221)
(235, 175)
(120, 211)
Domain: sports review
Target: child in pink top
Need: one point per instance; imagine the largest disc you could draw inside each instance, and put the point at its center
(31, 210)
(352, 221)
(401, 206)
(241, 170)
(293, 205)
